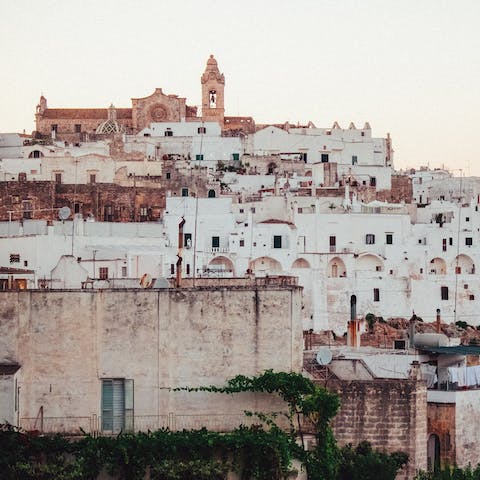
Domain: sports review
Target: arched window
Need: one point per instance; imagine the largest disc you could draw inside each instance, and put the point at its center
(35, 154)
(211, 193)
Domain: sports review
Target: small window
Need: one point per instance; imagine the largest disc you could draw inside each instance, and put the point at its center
(421, 270)
(333, 243)
(389, 239)
(215, 242)
(300, 210)
(467, 219)
(469, 241)
(450, 241)
(202, 130)
(184, 192)
(242, 243)
(117, 405)
(369, 239)
(54, 128)
(465, 286)
(211, 193)
(188, 269)
(199, 156)
(444, 245)
(362, 134)
(373, 181)
(324, 157)
(124, 271)
(103, 273)
(187, 240)
(236, 157)
(471, 297)
(172, 269)
(93, 178)
(252, 209)
(376, 294)
(78, 128)
(444, 293)
(27, 209)
(168, 133)
(354, 159)
(58, 178)
(14, 258)
(168, 175)
(277, 241)
(241, 210)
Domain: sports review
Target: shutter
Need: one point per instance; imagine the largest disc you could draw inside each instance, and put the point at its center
(118, 405)
(129, 405)
(107, 405)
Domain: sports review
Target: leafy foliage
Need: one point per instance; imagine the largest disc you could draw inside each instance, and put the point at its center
(451, 473)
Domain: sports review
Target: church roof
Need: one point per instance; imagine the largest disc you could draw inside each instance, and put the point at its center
(86, 113)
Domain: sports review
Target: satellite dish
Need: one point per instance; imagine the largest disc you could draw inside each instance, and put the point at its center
(324, 356)
(146, 280)
(64, 213)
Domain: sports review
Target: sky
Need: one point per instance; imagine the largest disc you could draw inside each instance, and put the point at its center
(408, 67)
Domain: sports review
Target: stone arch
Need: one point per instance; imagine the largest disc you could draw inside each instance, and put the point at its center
(211, 193)
(463, 264)
(300, 263)
(336, 268)
(433, 452)
(35, 154)
(369, 262)
(221, 264)
(438, 266)
(265, 265)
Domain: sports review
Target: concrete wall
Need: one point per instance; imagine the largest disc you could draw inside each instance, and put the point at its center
(67, 341)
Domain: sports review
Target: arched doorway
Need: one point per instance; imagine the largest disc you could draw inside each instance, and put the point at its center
(433, 452)
(211, 193)
(336, 268)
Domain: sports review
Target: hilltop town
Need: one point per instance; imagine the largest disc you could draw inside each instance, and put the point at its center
(164, 245)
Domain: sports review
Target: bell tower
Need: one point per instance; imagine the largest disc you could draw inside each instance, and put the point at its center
(213, 86)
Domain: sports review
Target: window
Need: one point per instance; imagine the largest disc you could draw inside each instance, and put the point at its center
(211, 193)
(333, 243)
(277, 241)
(373, 181)
(444, 245)
(242, 243)
(376, 294)
(199, 156)
(14, 258)
(78, 128)
(241, 210)
(103, 273)
(117, 405)
(184, 192)
(93, 178)
(236, 157)
(450, 241)
(36, 154)
(324, 157)
(389, 238)
(469, 241)
(300, 210)
(143, 213)
(168, 133)
(187, 239)
(188, 269)
(58, 178)
(124, 271)
(54, 128)
(27, 209)
(201, 130)
(215, 242)
(471, 297)
(252, 209)
(369, 239)
(172, 269)
(467, 219)
(168, 175)
(354, 159)
(444, 293)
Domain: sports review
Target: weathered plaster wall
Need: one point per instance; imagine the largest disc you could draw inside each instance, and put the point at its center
(66, 341)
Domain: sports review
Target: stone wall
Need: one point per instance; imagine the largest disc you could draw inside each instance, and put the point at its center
(67, 341)
(391, 414)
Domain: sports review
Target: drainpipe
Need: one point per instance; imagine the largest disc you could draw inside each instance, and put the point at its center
(179, 255)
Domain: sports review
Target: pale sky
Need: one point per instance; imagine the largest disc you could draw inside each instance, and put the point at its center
(409, 67)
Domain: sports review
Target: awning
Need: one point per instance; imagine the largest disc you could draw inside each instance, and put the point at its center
(457, 350)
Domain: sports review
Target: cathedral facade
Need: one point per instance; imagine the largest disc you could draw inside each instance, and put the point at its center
(80, 124)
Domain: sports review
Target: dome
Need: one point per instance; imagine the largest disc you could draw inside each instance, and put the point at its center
(110, 126)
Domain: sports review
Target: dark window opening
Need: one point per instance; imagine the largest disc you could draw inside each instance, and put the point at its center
(373, 181)
(168, 175)
(78, 128)
(184, 192)
(215, 242)
(93, 178)
(444, 293)
(370, 239)
(389, 239)
(469, 241)
(14, 258)
(202, 130)
(277, 241)
(376, 294)
(324, 157)
(103, 273)
(58, 178)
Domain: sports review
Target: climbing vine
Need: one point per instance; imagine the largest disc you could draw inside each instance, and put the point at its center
(262, 452)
